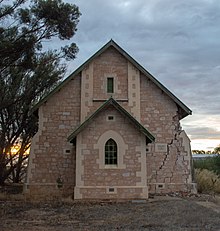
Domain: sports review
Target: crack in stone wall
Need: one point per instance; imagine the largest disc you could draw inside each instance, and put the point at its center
(174, 171)
(177, 128)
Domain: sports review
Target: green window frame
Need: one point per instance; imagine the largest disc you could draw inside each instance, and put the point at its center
(110, 85)
(111, 151)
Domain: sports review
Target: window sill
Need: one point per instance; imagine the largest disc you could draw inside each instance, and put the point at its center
(111, 166)
(103, 100)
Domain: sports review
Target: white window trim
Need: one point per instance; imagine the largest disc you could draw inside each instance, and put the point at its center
(122, 147)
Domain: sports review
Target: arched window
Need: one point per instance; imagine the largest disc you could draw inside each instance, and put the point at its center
(111, 152)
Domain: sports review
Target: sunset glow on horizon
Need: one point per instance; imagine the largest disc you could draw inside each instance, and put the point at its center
(204, 144)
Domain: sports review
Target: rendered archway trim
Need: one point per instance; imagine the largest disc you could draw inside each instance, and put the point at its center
(122, 147)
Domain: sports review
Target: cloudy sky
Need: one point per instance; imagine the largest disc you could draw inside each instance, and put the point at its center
(178, 41)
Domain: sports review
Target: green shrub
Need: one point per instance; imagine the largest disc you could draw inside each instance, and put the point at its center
(209, 163)
(207, 181)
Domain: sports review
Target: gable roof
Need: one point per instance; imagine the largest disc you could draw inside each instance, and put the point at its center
(118, 107)
(184, 110)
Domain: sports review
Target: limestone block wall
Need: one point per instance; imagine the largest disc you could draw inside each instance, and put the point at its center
(94, 83)
(110, 64)
(95, 180)
(51, 156)
(168, 160)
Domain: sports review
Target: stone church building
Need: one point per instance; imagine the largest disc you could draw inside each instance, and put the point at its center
(109, 131)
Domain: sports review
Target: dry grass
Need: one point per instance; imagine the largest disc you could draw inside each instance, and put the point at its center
(207, 181)
(209, 163)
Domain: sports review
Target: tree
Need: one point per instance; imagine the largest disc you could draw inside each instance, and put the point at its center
(217, 150)
(28, 70)
(198, 151)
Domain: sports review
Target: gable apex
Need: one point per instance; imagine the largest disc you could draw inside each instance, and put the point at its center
(183, 109)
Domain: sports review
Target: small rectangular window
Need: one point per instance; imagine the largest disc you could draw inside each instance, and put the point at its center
(111, 189)
(110, 85)
(110, 118)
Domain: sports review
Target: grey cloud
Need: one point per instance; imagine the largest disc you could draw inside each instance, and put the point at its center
(177, 41)
(202, 132)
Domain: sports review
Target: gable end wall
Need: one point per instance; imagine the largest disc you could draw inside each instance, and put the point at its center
(167, 160)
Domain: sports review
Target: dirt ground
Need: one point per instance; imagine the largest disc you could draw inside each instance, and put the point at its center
(160, 213)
